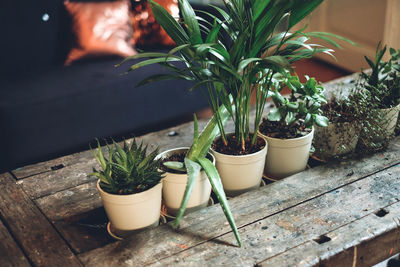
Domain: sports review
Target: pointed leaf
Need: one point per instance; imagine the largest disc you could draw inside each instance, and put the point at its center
(169, 24)
(216, 184)
(193, 171)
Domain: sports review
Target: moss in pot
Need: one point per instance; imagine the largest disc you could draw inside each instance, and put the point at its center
(380, 89)
(129, 186)
(288, 128)
(340, 137)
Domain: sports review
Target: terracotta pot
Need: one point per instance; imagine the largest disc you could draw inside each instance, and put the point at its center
(287, 156)
(240, 174)
(174, 186)
(134, 211)
(336, 139)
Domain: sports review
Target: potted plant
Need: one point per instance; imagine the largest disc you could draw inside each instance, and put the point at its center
(382, 95)
(233, 55)
(175, 180)
(340, 137)
(129, 185)
(288, 128)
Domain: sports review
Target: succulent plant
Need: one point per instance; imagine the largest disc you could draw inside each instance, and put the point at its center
(127, 170)
(383, 82)
(303, 104)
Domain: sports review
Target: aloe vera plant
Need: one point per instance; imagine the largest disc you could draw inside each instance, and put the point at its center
(127, 170)
(234, 57)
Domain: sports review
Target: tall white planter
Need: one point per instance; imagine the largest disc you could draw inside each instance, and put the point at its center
(134, 211)
(287, 156)
(174, 186)
(336, 139)
(240, 174)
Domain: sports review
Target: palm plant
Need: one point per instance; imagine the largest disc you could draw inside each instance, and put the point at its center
(233, 56)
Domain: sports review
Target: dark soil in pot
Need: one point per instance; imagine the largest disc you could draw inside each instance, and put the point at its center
(338, 112)
(280, 130)
(234, 146)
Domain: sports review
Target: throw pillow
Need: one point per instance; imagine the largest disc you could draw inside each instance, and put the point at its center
(147, 32)
(100, 28)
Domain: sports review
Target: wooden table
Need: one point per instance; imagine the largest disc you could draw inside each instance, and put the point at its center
(342, 213)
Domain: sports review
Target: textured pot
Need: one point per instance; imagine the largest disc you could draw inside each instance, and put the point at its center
(287, 156)
(389, 118)
(240, 174)
(336, 139)
(174, 186)
(134, 211)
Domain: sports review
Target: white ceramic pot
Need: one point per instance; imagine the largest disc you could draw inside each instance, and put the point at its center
(389, 118)
(336, 139)
(242, 173)
(134, 211)
(287, 156)
(174, 186)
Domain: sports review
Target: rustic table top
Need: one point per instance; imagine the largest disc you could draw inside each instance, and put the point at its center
(340, 212)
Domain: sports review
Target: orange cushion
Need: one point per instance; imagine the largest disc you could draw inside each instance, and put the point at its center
(100, 28)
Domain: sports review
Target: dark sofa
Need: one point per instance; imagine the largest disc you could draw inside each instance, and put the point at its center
(47, 110)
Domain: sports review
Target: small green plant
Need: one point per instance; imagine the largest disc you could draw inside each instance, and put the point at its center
(301, 109)
(383, 82)
(127, 170)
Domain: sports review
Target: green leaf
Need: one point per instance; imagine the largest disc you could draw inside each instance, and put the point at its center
(212, 35)
(163, 77)
(245, 62)
(191, 22)
(154, 60)
(99, 156)
(175, 165)
(278, 98)
(301, 9)
(216, 184)
(293, 105)
(196, 128)
(274, 115)
(290, 118)
(169, 24)
(321, 121)
(307, 119)
(258, 8)
(193, 171)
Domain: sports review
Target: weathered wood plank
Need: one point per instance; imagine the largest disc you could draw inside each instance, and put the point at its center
(51, 165)
(31, 229)
(10, 253)
(51, 182)
(250, 207)
(70, 202)
(85, 231)
(370, 240)
(300, 224)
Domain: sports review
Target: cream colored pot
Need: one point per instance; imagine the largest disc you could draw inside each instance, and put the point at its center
(336, 139)
(287, 156)
(240, 174)
(174, 186)
(389, 118)
(135, 211)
